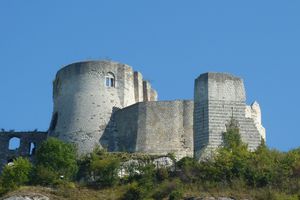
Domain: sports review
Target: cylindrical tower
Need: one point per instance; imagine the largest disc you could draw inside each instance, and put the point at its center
(85, 94)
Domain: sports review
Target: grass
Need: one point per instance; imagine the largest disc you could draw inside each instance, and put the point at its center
(115, 193)
(64, 193)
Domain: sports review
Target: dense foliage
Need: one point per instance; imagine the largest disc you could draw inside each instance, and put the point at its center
(16, 174)
(232, 169)
(99, 169)
(56, 157)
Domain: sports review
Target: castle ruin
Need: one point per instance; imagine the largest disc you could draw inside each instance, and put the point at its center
(107, 104)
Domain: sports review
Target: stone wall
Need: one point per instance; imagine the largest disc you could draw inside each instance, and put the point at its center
(218, 98)
(83, 103)
(26, 138)
(156, 128)
(108, 104)
(254, 112)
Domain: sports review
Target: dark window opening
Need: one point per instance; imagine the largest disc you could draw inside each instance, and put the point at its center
(53, 122)
(14, 143)
(10, 160)
(32, 148)
(110, 80)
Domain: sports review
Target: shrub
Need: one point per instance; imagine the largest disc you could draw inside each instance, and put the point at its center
(133, 193)
(2, 190)
(16, 174)
(176, 195)
(58, 157)
(188, 169)
(162, 174)
(105, 171)
(164, 189)
(45, 176)
(147, 178)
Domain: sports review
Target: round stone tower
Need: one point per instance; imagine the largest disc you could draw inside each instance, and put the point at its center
(85, 95)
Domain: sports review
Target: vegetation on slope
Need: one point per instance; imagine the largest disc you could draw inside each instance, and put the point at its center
(232, 171)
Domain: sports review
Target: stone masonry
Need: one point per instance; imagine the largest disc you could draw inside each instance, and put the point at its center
(157, 127)
(85, 95)
(107, 104)
(218, 98)
(28, 142)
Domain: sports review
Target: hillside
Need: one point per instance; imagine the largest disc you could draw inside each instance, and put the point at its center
(232, 171)
(191, 193)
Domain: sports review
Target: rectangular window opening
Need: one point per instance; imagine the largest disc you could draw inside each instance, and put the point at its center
(107, 82)
(112, 82)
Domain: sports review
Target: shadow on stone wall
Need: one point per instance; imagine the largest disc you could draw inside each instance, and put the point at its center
(109, 139)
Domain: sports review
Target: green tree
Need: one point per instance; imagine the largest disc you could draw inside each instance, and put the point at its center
(105, 171)
(231, 160)
(56, 157)
(261, 167)
(99, 168)
(46, 176)
(188, 169)
(176, 195)
(232, 138)
(133, 193)
(16, 174)
(286, 171)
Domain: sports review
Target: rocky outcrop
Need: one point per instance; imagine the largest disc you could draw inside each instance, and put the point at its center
(27, 197)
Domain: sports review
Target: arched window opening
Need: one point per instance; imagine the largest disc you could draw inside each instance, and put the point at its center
(32, 148)
(53, 122)
(14, 143)
(110, 80)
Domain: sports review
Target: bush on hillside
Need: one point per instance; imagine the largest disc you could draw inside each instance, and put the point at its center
(105, 171)
(46, 176)
(16, 174)
(55, 160)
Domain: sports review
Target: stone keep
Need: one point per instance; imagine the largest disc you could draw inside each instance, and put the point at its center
(108, 104)
(218, 97)
(85, 95)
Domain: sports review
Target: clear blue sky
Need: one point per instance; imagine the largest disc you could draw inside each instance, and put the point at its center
(171, 42)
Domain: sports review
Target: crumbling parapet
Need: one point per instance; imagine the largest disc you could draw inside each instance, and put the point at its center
(254, 112)
(27, 144)
(138, 86)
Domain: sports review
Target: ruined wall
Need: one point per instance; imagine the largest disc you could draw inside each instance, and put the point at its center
(218, 98)
(156, 128)
(26, 138)
(254, 112)
(108, 104)
(83, 103)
